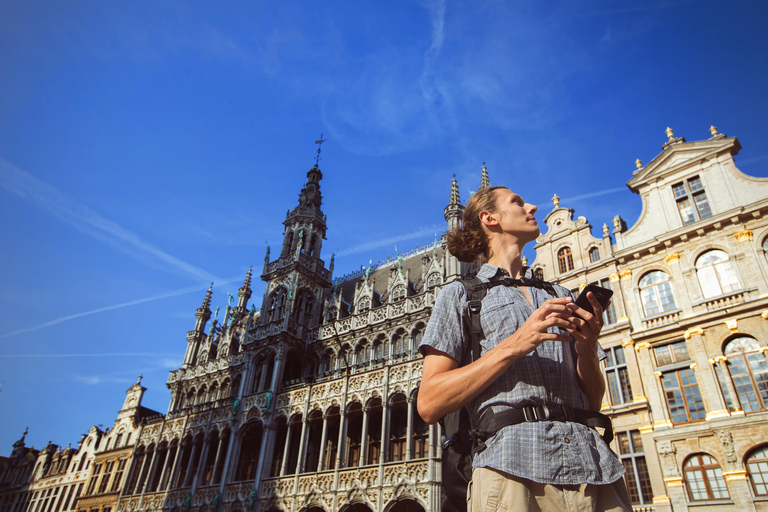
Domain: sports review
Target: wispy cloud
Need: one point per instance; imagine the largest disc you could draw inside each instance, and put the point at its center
(67, 318)
(87, 220)
(593, 194)
(638, 8)
(385, 242)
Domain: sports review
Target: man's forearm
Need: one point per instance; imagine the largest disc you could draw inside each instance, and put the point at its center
(591, 380)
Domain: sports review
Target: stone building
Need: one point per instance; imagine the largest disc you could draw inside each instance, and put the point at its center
(89, 477)
(308, 404)
(686, 333)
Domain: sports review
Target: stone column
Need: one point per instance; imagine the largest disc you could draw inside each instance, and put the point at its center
(200, 464)
(323, 441)
(215, 477)
(139, 483)
(655, 390)
(409, 430)
(162, 470)
(176, 465)
(676, 495)
(267, 440)
(188, 476)
(300, 462)
(341, 446)
(705, 378)
(286, 449)
(633, 367)
(363, 439)
(384, 456)
(721, 362)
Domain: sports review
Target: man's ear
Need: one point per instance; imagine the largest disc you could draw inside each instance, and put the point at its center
(488, 218)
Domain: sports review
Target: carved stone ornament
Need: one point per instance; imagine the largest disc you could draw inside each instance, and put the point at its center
(726, 440)
(745, 235)
(667, 452)
(672, 258)
(626, 275)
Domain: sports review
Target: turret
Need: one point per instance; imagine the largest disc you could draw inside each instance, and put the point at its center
(455, 209)
(244, 293)
(194, 337)
(484, 181)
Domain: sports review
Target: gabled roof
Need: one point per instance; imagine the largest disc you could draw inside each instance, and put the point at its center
(677, 155)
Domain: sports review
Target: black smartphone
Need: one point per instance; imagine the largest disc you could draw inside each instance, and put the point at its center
(602, 295)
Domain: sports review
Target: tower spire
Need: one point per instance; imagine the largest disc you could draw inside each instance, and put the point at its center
(244, 293)
(484, 182)
(455, 199)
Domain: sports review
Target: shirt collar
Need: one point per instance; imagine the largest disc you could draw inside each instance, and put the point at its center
(489, 271)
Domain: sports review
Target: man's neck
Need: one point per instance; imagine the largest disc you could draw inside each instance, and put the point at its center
(509, 257)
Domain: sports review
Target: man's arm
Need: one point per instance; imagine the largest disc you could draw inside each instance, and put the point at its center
(446, 387)
(588, 370)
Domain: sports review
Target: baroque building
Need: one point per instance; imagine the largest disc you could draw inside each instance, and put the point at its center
(308, 403)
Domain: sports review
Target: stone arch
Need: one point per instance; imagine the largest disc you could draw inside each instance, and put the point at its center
(250, 446)
(404, 504)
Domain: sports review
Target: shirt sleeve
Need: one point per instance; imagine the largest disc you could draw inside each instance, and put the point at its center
(448, 327)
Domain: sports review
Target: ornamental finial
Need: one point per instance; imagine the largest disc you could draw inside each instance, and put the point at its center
(556, 201)
(639, 164)
(670, 133)
(713, 130)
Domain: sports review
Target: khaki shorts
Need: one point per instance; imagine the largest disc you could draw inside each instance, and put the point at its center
(492, 490)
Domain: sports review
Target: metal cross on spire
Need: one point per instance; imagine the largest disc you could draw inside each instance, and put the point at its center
(319, 145)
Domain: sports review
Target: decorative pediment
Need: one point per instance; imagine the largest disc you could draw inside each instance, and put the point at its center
(676, 157)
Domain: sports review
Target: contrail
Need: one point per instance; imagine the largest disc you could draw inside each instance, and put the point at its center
(392, 240)
(127, 354)
(594, 194)
(84, 218)
(165, 295)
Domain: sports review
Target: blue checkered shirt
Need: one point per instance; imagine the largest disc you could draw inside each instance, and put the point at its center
(548, 452)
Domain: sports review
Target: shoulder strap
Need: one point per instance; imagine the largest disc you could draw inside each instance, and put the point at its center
(476, 291)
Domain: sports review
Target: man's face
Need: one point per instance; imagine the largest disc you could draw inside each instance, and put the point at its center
(515, 216)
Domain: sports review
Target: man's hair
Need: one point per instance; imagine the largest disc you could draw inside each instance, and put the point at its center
(470, 242)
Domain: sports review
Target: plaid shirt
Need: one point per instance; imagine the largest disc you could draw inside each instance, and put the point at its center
(548, 452)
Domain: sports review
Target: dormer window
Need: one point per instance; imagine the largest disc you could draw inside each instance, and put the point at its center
(692, 202)
(364, 304)
(398, 293)
(433, 280)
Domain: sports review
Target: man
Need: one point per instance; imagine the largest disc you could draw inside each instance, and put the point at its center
(539, 353)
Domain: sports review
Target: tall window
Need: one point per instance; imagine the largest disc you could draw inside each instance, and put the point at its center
(618, 376)
(277, 305)
(704, 478)
(757, 467)
(716, 275)
(399, 292)
(107, 474)
(680, 387)
(632, 456)
(565, 260)
(594, 255)
(656, 293)
(398, 422)
(118, 475)
(364, 304)
(691, 200)
(683, 396)
(749, 371)
(94, 479)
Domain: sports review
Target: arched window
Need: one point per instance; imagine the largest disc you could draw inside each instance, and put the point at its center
(363, 353)
(398, 293)
(656, 293)
(539, 273)
(364, 304)
(276, 305)
(281, 430)
(398, 343)
(749, 371)
(302, 308)
(433, 280)
(328, 362)
(594, 255)
(705, 478)
(420, 442)
(565, 260)
(331, 448)
(715, 273)
(293, 444)
(314, 438)
(398, 423)
(380, 348)
(416, 337)
(374, 432)
(765, 247)
(354, 434)
(249, 452)
(757, 467)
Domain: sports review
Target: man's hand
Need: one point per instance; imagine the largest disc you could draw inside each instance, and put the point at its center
(446, 387)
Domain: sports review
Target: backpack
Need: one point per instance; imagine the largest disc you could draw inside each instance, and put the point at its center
(459, 446)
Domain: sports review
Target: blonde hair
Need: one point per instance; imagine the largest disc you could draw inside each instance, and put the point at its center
(469, 242)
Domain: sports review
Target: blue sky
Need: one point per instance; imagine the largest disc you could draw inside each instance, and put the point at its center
(147, 149)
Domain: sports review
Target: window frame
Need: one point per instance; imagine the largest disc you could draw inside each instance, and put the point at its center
(614, 368)
(655, 287)
(565, 259)
(706, 470)
(638, 480)
(689, 193)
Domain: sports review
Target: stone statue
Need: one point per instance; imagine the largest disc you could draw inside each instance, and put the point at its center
(235, 408)
(229, 299)
(268, 396)
(252, 500)
(216, 501)
(253, 310)
(188, 502)
(368, 270)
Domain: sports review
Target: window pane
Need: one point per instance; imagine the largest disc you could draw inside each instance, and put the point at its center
(702, 205)
(679, 190)
(686, 211)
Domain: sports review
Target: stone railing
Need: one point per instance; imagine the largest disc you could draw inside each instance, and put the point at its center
(726, 301)
(378, 315)
(214, 366)
(669, 317)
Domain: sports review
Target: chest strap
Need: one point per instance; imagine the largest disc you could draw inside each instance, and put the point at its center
(491, 422)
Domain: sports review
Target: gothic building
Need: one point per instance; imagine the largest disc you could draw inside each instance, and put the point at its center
(308, 403)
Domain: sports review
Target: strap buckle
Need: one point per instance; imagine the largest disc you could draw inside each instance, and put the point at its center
(538, 412)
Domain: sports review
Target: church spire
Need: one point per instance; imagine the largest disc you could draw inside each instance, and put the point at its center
(484, 182)
(454, 209)
(244, 293)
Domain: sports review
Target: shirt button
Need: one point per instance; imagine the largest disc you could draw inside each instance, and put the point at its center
(567, 441)
(551, 370)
